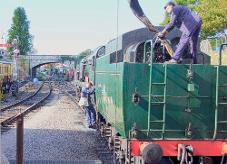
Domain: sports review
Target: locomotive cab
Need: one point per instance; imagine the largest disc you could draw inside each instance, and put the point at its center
(141, 52)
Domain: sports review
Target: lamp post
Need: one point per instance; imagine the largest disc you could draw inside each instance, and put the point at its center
(16, 52)
(29, 66)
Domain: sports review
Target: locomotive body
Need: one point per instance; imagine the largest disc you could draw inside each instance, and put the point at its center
(123, 99)
(142, 101)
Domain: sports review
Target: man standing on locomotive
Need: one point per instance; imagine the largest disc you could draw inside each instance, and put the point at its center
(189, 24)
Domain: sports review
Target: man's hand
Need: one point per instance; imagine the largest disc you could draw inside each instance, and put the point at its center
(162, 34)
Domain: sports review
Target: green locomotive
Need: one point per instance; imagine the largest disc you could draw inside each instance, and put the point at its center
(141, 101)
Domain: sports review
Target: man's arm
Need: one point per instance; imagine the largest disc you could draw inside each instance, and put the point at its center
(92, 91)
(169, 27)
(173, 20)
(88, 91)
(172, 23)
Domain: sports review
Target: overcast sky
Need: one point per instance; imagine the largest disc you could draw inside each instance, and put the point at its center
(71, 26)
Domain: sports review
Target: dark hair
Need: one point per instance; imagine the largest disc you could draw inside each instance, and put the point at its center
(90, 83)
(169, 4)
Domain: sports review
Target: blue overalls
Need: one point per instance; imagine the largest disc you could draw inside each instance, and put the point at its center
(189, 24)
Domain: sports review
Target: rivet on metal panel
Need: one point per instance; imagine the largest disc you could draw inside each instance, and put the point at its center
(188, 110)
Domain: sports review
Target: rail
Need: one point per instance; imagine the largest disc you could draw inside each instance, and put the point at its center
(67, 92)
(33, 106)
(23, 100)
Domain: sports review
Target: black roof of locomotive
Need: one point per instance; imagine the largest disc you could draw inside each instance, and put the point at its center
(144, 34)
(140, 35)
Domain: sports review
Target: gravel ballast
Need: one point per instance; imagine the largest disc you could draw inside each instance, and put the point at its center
(56, 131)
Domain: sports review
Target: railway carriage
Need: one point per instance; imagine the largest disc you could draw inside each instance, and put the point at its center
(141, 101)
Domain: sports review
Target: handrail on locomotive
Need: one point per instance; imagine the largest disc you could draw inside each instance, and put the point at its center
(220, 52)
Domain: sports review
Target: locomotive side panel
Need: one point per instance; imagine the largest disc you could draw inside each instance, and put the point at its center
(190, 101)
(109, 94)
(136, 82)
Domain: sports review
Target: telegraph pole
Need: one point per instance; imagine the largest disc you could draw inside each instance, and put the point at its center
(16, 52)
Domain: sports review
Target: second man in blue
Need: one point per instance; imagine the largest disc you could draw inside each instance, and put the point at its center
(90, 112)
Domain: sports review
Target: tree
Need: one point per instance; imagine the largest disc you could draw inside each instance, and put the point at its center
(77, 58)
(20, 30)
(189, 3)
(214, 16)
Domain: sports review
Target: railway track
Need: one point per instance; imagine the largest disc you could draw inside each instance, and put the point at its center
(23, 98)
(12, 112)
(68, 89)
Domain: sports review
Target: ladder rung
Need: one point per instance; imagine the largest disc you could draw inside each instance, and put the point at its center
(222, 86)
(222, 131)
(156, 130)
(222, 122)
(157, 96)
(158, 83)
(222, 103)
(158, 102)
(157, 121)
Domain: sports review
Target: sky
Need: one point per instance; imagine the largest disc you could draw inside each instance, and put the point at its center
(71, 26)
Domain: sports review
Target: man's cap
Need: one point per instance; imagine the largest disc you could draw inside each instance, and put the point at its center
(170, 3)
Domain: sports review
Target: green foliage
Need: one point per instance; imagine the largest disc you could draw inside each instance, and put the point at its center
(166, 19)
(20, 30)
(214, 16)
(41, 76)
(76, 58)
(186, 2)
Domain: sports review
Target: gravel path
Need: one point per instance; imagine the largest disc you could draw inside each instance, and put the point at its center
(57, 131)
